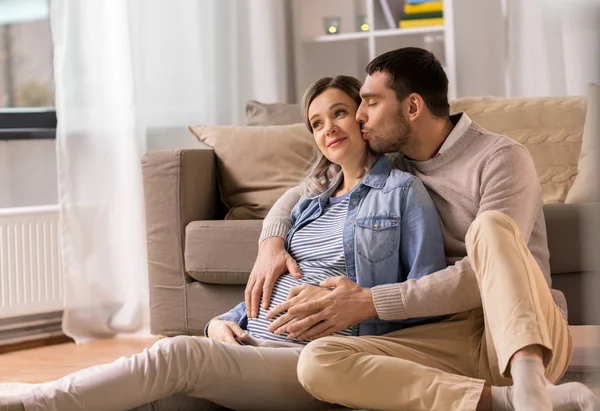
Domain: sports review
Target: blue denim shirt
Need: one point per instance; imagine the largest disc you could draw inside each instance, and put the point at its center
(393, 234)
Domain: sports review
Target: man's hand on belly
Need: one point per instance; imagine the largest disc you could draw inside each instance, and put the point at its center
(298, 295)
(346, 305)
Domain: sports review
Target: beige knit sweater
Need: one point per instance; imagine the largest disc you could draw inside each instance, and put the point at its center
(480, 171)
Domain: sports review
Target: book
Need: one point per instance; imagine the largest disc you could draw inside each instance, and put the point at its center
(417, 16)
(405, 24)
(424, 7)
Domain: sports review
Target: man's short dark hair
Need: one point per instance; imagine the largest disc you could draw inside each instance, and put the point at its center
(415, 70)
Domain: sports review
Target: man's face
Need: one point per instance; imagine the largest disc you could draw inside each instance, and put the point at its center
(384, 124)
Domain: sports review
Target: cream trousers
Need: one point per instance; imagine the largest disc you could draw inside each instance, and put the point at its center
(184, 373)
(444, 366)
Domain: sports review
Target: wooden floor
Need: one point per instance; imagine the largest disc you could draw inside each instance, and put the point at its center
(55, 361)
(52, 362)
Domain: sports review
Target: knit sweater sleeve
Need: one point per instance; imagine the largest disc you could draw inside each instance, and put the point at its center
(277, 222)
(509, 183)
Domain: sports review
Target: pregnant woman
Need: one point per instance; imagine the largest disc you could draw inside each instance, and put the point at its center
(358, 218)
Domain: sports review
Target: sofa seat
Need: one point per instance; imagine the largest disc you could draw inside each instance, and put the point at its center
(221, 251)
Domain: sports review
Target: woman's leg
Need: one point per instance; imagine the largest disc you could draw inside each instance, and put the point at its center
(239, 377)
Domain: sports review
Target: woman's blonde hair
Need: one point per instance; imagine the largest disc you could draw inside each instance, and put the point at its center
(323, 172)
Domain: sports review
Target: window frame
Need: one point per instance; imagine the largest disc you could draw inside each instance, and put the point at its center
(28, 123)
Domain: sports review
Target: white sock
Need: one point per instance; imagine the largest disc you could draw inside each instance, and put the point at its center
(571, 396)
(502, 399)
(529, 385)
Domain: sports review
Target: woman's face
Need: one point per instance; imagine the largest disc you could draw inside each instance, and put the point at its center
(337, 133)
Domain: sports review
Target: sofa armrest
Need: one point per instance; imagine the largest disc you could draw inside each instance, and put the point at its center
(566, 226)
(180, 186)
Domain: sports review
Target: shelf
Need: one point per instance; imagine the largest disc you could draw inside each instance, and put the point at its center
(376, 33)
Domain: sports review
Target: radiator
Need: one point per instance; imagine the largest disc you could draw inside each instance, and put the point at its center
(30, 263)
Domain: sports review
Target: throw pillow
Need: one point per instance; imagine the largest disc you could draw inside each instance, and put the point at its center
(256, 165)
(586, 187)
(550, 128)
(262, 114)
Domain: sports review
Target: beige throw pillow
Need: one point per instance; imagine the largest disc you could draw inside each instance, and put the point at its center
(276, 114)
(550, 128)
(256, 165)
(586, 187)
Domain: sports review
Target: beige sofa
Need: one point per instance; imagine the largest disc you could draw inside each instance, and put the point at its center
(199, 263)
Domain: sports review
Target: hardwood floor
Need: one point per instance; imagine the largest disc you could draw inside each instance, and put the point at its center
(52, 362)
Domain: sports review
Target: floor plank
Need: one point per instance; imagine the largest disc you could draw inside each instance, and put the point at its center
(52, 362)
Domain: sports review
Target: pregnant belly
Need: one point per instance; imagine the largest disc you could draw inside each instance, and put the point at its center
(257, 327)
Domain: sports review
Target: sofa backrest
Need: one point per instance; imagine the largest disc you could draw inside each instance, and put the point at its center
(550, 128)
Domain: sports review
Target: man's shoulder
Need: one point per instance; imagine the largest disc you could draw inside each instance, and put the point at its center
(491, 145)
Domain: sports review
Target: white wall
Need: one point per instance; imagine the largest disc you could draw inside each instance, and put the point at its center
(544, 48)
(28, 173)
(479, 36)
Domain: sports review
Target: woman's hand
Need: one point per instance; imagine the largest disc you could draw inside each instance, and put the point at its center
(298, 295)
(271, 262)
(225, 331)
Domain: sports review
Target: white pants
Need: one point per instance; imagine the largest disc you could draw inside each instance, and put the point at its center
(184, 373)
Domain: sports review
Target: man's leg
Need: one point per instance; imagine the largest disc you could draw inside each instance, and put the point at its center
(527, 336)
(236, 377)
(413, 369)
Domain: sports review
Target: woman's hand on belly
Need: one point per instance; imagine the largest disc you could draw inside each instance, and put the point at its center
(298, 295)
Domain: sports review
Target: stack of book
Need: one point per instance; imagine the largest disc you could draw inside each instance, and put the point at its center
(422, 13)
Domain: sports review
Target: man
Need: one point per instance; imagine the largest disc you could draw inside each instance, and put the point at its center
(504, 326)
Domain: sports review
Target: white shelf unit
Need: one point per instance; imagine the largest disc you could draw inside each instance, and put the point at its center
(348, 52)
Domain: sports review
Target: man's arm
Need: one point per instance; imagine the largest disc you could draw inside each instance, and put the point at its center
(272, 260)
(509, 183)
(277, 223)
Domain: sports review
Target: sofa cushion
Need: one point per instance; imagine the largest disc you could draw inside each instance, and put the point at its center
(275, 114)
(550, 128)
(221, 252)
(256, 165)
(586, 187)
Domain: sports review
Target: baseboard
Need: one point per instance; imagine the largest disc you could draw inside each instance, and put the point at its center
(31, 331)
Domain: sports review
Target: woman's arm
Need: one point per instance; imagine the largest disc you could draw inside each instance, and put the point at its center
(237, 315)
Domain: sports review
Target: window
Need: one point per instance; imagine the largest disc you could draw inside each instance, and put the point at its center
(26, 70)
(28, 173)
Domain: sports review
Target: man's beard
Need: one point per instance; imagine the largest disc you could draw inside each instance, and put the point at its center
(396, 141)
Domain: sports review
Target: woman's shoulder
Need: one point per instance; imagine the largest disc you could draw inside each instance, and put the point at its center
(399, 178)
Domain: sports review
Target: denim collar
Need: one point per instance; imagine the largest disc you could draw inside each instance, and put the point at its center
(378, 174)
(375, 178)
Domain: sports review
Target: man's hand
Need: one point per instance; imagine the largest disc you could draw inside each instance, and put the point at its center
(225, 331)
(298, 295)
(271, 262)
(347, 305)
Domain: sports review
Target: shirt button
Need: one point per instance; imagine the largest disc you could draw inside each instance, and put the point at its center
(349, 244)
(354, 202)
(376, 225)
(349, 221)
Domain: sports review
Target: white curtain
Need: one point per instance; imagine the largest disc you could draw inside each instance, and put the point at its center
(123, 68)
(553, 47)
